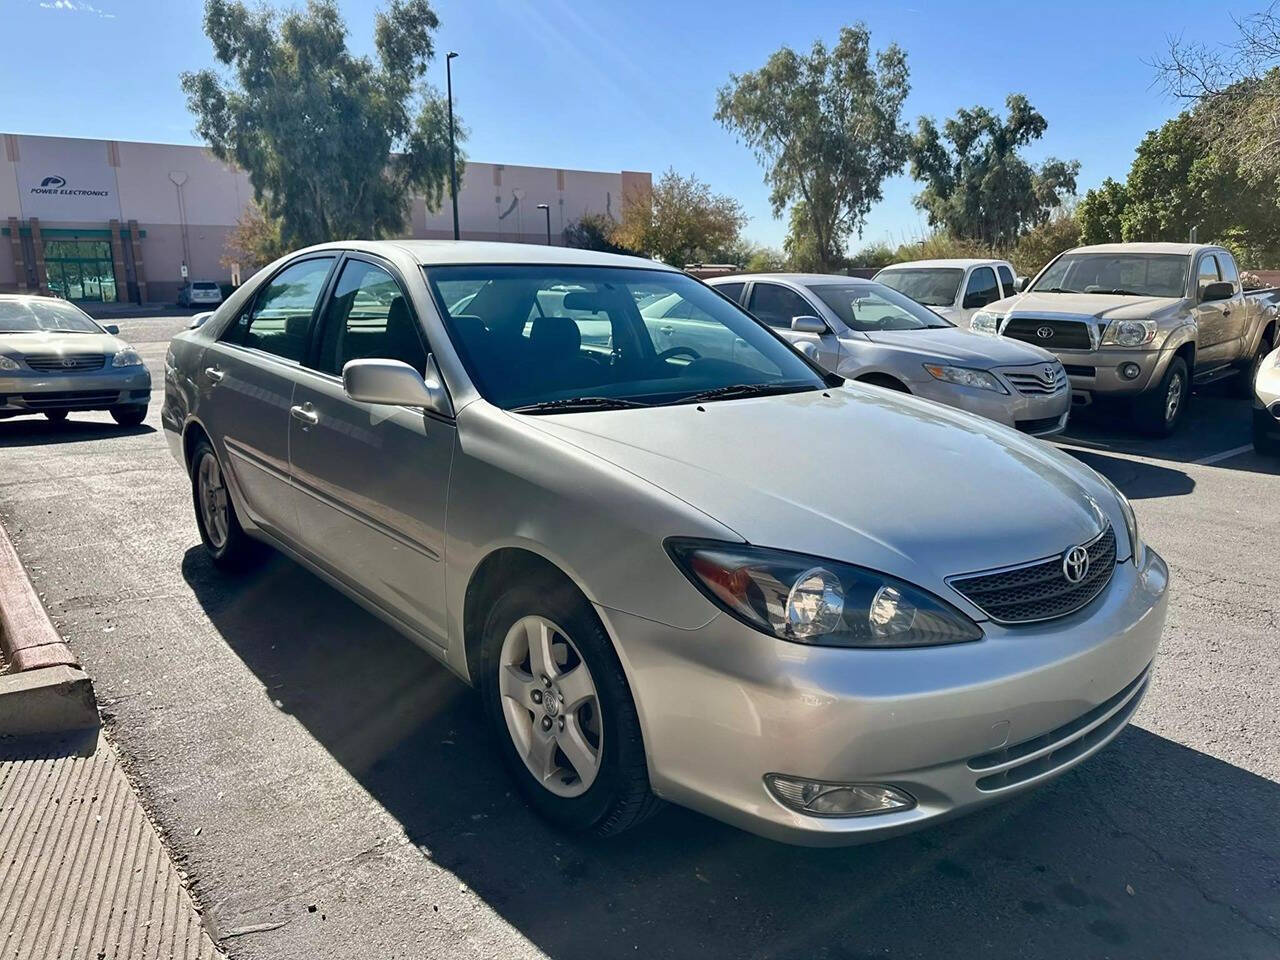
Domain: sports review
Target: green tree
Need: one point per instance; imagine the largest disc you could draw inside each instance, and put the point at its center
(335, 145)
(977, 186)
(1043, 242)
(827, 128)
(679, 221)
(594, 231)
(1100, 213)
(254, 242)
(801, 246)
(766, 260)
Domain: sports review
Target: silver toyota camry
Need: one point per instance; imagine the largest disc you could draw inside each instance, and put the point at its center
(55, 360)
(702, 571)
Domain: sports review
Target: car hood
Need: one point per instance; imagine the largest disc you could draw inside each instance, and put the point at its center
(858, 474)
(1102, 306)
(18, 344)
(953, 345)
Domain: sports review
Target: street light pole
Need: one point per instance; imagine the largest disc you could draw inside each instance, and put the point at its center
(453, 150)
(547, 210)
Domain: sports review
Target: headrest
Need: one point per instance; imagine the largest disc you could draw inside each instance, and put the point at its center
(296, 325)
(555, 335)
(398, 313)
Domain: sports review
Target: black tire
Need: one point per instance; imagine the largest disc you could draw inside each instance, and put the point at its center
(237, 551)
(1152, 407)
(130, 416)
(1244, 384)
(620, 796)
(1266, 434)
(56, 416)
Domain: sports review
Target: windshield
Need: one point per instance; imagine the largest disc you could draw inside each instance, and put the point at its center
(932, 286)
(868, 307)
(533, 335)
(37, 316)
(1127, 274)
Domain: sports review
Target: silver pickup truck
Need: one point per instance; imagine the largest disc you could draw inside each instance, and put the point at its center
(1143, 322)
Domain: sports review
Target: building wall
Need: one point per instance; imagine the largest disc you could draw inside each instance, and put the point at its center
(187, 202)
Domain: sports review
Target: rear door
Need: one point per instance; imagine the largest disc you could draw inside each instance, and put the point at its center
(778, 305)
(1213, 317)
(1240, 312)
(1007, 279)
(246, 381)
(371, 479)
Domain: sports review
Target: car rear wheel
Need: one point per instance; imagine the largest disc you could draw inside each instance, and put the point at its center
(130, 416)
(1160, 410)
(56, 416)
(560, 705)
(228, 546)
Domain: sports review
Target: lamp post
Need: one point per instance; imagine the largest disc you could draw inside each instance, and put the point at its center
(453, 150)
(547, 210)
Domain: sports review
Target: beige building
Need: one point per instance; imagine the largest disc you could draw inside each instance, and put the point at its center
(114, 220)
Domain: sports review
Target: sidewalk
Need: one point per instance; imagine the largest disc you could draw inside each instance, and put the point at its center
(83, 872)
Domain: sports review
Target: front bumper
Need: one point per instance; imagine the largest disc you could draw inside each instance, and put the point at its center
(1037, 415)
(1097, 372)
(722, 706)
(36, 393)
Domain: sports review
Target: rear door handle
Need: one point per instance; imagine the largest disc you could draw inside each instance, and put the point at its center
(214, 374)
(305, 413)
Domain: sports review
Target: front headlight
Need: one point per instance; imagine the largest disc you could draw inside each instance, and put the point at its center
(1129, 333)
(984, 322)
(818, 602)
(128, 357)
(966, 377)
(8, 363)
(1136, 547)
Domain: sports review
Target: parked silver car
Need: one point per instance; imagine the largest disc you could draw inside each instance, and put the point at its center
(741, 585)
(866, 331)
(55, 360)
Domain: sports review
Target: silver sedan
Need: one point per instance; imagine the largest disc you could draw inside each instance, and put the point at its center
(734, 583)
(55, 360)
(869, 332)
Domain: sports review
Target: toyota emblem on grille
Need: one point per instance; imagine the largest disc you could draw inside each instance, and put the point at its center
(1075, 564)
(1044, 333)
(68, 362)
(1050, 374)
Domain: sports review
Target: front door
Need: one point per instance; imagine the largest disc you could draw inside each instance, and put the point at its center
(370, 480)
(777, 306)
(248, 377)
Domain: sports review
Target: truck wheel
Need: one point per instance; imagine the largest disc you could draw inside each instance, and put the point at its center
(1266, 434)
(1244, 385)
(1160, 410)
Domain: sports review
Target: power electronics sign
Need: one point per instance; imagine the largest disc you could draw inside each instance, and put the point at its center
(57, 186)
(68, 181)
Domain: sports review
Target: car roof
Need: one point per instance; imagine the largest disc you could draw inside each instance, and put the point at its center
(805, 279)
(447, 252)
(1183, 248)
(962, 263)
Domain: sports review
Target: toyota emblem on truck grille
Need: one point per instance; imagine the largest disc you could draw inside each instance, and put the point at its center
(1075, 564)
(1044, 333)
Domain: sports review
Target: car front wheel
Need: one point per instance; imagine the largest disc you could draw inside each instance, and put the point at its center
(131, 416)
(563, 713)
(56, 416)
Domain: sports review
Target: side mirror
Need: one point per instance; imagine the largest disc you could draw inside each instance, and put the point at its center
(1218, 290)
(199, 320)
(808, 349)
(395, 382)
(807, 324)
(112, 328)
(1020, 284)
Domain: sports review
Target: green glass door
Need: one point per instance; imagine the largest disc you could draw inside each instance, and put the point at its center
(81, 269)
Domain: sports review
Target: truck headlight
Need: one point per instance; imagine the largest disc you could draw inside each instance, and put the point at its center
(1129, 333)
(984, 322)
(8, 363)
(966, 377)
(818, 602)
(128, 357)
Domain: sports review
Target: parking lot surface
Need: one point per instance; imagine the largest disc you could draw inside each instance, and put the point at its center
(332, 792)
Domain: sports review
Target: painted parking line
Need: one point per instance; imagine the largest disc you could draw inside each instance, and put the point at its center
(1225, 454)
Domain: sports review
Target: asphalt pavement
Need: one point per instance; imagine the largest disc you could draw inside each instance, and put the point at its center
(331, 791)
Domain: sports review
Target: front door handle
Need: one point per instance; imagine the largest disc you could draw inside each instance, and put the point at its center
(1226, 311)
(214, 374)
(668, 330)
(306, 414)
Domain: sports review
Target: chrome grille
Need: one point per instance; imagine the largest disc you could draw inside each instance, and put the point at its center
(65, 362)
(1039, 590)
(1043, 380)
(1062, 334)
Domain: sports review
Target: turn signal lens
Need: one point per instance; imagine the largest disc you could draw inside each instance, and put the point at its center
(818, 798)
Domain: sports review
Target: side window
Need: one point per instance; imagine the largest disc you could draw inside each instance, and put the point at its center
(279, 318)
(1006, 279)
(731, 290)
(368, 317)
(776, 305)
(981, 289)
(1227, 265)
(1208, 270)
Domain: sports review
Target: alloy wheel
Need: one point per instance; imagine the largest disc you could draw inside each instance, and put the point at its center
(211, 493)
(551, 706)
(1173, 398)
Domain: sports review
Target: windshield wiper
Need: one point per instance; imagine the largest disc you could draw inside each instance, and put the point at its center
(734, 390)
(1054, 290)
(571, 404)
(1122, 293)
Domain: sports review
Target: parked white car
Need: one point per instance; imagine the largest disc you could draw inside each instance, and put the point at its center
(1266, 405)
(865, 331)
(199, 293)
(955, 289)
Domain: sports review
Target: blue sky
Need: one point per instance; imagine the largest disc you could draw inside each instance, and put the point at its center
(608, 85)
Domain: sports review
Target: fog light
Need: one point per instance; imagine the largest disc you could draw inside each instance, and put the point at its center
(1130, 371)
(822, 799)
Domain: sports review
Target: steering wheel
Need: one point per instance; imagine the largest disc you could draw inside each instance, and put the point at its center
(691, 353)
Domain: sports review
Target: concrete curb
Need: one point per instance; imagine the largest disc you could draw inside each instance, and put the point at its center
(46, 690)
